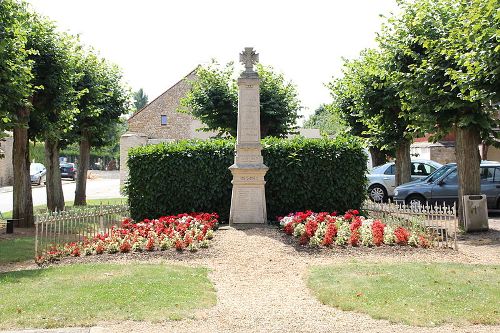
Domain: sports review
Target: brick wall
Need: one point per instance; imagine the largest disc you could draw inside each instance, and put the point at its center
(179, 125)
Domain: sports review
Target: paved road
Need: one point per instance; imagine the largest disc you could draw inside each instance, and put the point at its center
(107, 185)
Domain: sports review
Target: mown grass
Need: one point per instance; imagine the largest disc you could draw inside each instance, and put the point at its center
(412, 293)
(17, 249)
(93, 202)
(85, 294)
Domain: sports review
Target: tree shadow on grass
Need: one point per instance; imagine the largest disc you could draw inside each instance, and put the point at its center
(17, 276)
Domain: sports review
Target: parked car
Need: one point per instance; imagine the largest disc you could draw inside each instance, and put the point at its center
(37, 173)
(68, 170)
(442, 187)
(382, 182)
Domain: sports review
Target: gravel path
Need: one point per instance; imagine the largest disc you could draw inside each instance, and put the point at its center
(259, 275)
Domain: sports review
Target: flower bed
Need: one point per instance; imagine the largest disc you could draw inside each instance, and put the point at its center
(325, 229)
(183, 231)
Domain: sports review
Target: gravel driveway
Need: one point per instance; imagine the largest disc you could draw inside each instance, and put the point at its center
(259, 275)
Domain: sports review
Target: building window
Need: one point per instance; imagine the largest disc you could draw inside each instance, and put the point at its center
(163, 119)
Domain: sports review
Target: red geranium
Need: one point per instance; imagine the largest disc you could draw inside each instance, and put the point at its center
(378, 232)
(402, 236)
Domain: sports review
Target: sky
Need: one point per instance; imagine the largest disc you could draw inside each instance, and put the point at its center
(156, 43)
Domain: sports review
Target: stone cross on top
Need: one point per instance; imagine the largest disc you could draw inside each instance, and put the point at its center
(248, 58)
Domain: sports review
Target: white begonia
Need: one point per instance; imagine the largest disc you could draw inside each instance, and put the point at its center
(413, 240)
(299, 230)
(321, 230)
(315, 241)
(389, 237)
(343, 233)
(366, 235)
(284, 221)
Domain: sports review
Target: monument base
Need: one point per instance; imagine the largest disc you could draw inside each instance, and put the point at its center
(248, 199)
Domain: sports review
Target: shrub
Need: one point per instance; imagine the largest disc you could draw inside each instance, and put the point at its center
(190, 175)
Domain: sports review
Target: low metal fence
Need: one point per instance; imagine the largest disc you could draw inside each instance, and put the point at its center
(440, 222)
(57, 228)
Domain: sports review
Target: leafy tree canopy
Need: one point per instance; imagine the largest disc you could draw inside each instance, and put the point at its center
(140, 99)
(327, 120)
(214, 100)
(15, 65)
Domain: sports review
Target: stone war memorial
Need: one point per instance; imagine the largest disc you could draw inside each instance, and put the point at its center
(248, 199)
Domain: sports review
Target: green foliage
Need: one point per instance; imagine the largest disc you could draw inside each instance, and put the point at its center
(327, 120)
(15, 65)
(367, 95)
(214, 100)
(55, 73)
(140, 99)
(171, 178)
(103, 100)
(446, 63)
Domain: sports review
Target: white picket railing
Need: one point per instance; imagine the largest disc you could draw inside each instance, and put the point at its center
(439, 221)
(56, 228)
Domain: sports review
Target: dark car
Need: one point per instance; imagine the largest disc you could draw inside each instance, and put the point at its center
(68, 170)
(442, 186)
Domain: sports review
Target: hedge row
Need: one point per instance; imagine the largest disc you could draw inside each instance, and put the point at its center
(316, 174)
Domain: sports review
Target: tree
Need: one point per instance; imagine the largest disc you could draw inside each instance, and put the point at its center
(326, 120)
(214, 100)
(448, 59)
(55, 73)
(15, 99)
(104, 99)
(140, 99)
(367, 92)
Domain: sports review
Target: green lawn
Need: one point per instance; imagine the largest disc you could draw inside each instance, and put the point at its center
(18, 249)
(93, 202)
(85, 294)
(412, 293)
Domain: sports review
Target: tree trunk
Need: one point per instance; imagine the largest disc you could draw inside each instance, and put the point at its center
(378, 156)
(484, 151)
(403, 163)
(83, 167)
(23, 201)
(55, 195)
(468, 165)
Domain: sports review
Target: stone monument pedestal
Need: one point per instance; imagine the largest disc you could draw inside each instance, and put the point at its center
(248, 199)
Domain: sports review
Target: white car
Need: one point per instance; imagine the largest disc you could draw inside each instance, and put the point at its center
(382, 182)
(37, 173)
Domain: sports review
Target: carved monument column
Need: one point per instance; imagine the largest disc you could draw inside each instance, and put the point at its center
(248, 200)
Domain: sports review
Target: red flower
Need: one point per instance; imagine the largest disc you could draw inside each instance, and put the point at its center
(331, 232)
(75, 252)
(150, 244)
(378, 232)
(423, 241)
(99, 249)
(125, 247)
(402, 236)
(179, 245)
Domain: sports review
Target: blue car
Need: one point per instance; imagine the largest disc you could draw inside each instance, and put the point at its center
(442, 187)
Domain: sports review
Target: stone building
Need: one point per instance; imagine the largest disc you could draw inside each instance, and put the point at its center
(159, 121)
(6, 169)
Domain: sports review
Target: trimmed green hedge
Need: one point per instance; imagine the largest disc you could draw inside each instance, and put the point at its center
(316, 174)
